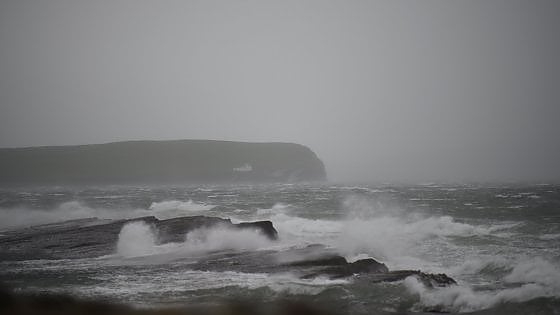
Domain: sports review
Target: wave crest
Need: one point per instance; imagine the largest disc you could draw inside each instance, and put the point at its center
(140, 239)
(178, 205)
(223, 238)
(534, 278)
(136, 239)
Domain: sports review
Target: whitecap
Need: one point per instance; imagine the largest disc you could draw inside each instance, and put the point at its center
(533, 278)
(140, 239)
(550, 236)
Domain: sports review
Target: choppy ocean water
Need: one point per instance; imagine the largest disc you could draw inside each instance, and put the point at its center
(500, 242)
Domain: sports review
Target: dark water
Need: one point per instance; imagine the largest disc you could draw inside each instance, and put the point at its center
(501, 243)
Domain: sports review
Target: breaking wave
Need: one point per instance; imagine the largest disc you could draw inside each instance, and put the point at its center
(140, 239)
(180, 206)
(132, 285)
(484, 265)
(529, 279)
(136, 239)
(275, 209)
(550, 236)
(373, 230)
(21, 217)
(224, 238)
(11, 218)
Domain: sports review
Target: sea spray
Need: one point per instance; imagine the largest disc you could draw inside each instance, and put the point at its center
(17, 217)
(136, 239)
(529, 279)
(224, 238)
(180, 206)
(277, 208)
(458, 230)
(140, 239)
(399, 237)
(370, 229)
(536, 270)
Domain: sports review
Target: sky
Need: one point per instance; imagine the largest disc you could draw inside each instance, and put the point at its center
(380, 90)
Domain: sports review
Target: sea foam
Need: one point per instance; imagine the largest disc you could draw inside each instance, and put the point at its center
(140, 239)
(183, 206)
(372, 229)
(136, 239)
(11, 218)
(530, 279)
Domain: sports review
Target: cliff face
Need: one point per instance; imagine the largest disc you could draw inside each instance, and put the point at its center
(190, 161)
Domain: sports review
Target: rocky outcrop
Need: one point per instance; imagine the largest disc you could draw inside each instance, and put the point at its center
(180, 161)
(428, 279)
(335, 266)
(346, 269)
(93, 238)
(264, 227)
(331, 260)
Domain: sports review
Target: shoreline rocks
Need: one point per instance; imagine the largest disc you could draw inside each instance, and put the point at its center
(90, 238)
(95, 239)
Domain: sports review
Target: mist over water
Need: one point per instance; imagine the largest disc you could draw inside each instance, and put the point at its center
(380, 90)
(436, 123)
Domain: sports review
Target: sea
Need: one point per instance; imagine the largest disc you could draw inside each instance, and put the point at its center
(500, 242)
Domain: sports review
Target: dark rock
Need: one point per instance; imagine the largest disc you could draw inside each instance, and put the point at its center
(428, 279)
(94, 240)
(436, 280)
(361, 266)
(174, 230)
(335, 266)
(334, 260)
(264, 227)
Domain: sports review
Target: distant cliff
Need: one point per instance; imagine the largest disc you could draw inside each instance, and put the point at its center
(178, 161)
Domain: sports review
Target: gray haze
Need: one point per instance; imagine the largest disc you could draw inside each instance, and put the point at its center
(380, 90)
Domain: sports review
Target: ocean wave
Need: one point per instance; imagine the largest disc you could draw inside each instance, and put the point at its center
(275, 209)
(187, 206)
(532, 278)
(176, 208)
(294, 230)
(484, 265)
(138, 239)
(550, 236)
(399, 237)
(12, 218)
(396, 240)
(170, 283)
(18, 217)
(389, 234)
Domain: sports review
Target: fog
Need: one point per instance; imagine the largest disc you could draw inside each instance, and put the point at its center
(380, 90)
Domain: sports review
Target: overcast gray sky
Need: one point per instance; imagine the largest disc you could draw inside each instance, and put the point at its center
(380, 90)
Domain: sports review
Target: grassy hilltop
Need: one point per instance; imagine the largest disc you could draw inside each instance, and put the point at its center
(191, 161)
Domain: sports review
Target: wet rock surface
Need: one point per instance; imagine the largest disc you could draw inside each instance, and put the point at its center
(428, 279)
(348, 269)
(89, 238)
